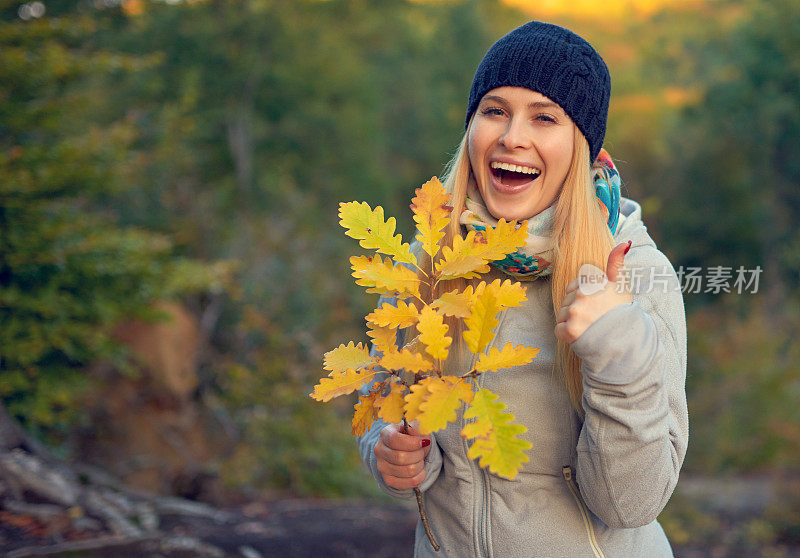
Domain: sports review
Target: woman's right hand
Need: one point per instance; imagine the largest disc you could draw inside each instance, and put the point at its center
(401, 457)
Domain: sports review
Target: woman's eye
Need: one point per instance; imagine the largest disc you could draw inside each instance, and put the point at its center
(546, 118)
(492, 111)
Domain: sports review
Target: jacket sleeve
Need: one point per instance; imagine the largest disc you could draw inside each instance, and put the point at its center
(366, 443)
(635, 430)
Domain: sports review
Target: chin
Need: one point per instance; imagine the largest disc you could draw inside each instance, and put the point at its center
(508, 215)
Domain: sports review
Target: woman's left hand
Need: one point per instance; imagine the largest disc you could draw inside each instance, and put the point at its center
(590, 296)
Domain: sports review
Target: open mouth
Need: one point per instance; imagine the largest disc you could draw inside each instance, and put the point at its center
(513, 175)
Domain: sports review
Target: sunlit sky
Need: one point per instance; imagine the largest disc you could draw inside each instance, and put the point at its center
(589, 9)
(596, 8)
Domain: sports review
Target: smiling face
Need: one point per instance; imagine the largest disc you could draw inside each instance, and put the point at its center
(520, 148)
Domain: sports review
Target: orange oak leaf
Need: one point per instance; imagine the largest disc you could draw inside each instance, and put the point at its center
(365, 413)
(431, 214)
(390, 407)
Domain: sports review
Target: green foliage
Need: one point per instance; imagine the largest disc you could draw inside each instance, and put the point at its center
(68, 271)
(287, 443)
(696, 524)
(734, 151)
(743, 388)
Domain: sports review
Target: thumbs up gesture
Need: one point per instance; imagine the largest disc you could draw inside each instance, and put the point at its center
(591, 295)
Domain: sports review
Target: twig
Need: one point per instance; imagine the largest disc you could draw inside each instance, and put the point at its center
(424, 518)
(422, 515)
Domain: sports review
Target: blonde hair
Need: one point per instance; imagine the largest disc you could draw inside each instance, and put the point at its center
(581, 236)
(579, 231)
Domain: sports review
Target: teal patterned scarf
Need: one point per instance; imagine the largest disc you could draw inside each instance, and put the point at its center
(535, 259)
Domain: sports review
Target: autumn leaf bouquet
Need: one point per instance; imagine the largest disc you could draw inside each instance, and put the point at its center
(412, 382)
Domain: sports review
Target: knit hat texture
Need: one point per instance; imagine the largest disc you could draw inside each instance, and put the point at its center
(558, 64)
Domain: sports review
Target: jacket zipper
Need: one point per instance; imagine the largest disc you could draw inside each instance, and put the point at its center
(483, 535)
(483, 504)
(484, 513)
(569, 477)
(483, 517)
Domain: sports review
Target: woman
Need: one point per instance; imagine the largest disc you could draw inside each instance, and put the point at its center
(604, 400)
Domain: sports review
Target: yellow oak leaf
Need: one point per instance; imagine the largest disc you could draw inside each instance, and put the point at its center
(431, 214)
(365, 413)
(414, 345)
(402, 315)
(509, 356)
(496, 443)
(347, 357)
(383, 338)
(455, 303)
(432, 332)
(384, 276)
(508, 293)
(443, 399)
(390, 407)
(405, 359)
(504, 238)
(367, 226)
(461, 260)
(469, 255)
(481, 321)
(415, 397)
(479, 428)
(341, 383)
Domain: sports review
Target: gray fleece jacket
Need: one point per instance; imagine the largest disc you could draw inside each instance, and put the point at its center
(592, 487)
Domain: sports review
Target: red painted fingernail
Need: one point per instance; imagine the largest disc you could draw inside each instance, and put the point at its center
(628, 247)
(425, 442)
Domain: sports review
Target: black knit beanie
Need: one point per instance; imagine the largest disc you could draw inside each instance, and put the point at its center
(558, 64)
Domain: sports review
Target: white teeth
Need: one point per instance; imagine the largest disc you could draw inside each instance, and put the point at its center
(515, 168)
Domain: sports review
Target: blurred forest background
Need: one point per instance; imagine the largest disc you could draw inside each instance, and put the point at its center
(172, 270)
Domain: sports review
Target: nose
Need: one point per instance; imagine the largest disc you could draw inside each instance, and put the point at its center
(516, 134)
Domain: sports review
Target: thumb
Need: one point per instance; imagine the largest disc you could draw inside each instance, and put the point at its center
(413, 429)
(615, 260)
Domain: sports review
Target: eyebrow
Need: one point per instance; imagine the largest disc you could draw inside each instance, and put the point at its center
(535, 104)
